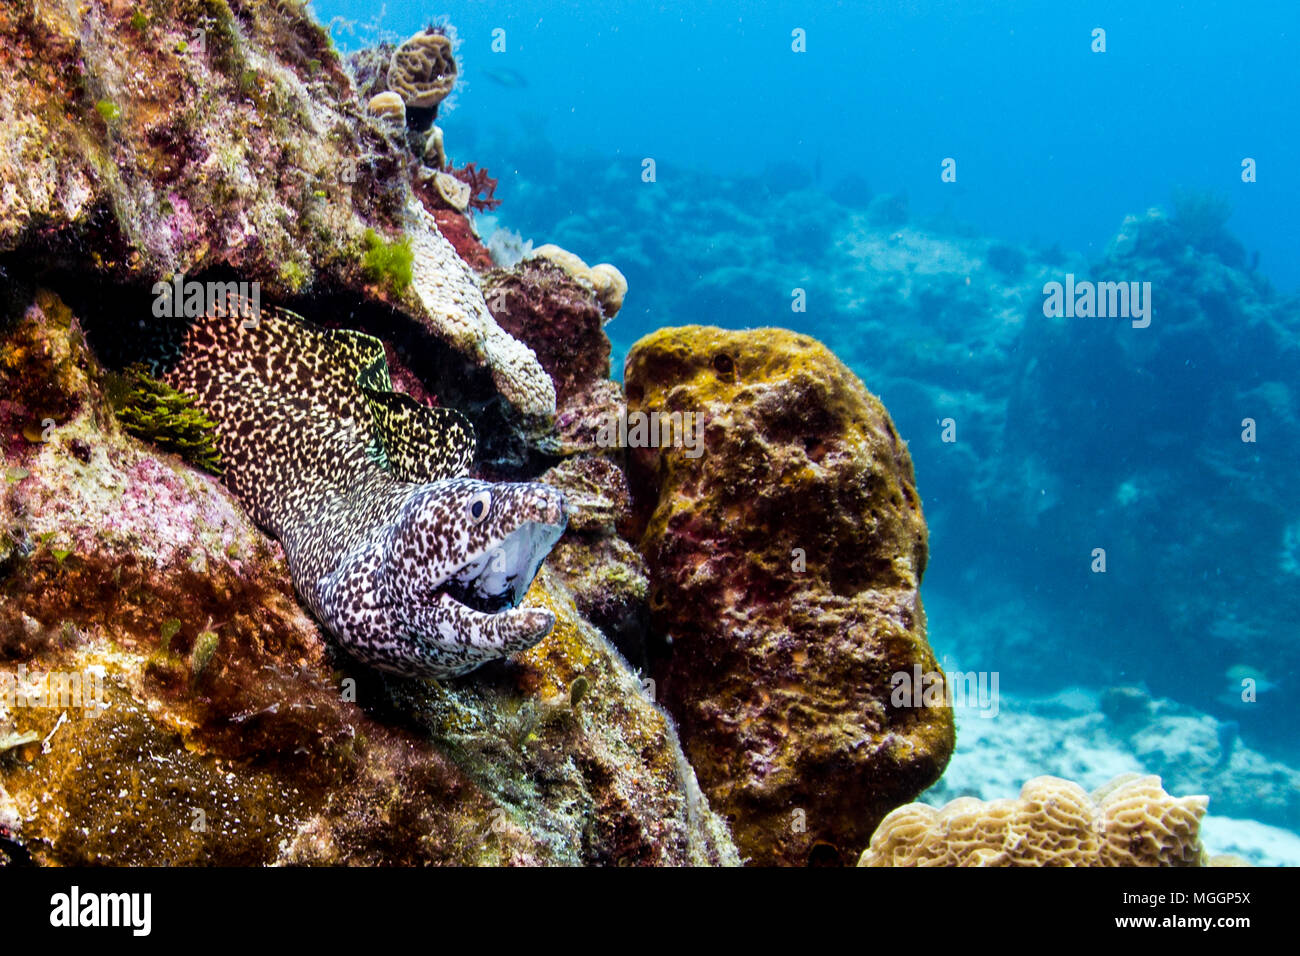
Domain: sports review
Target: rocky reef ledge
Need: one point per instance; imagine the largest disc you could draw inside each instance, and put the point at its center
(166, 698)
(743, 559)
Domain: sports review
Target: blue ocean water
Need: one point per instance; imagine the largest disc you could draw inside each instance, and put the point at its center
(1114, 508)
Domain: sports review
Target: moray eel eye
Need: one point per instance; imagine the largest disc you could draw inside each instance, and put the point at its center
(478, 506)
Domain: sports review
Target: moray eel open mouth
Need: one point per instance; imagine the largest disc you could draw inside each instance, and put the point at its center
(413, 566)
(496, 579)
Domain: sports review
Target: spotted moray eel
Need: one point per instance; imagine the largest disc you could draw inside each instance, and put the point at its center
(412, 566)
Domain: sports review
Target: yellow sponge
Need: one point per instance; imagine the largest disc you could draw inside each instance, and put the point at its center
(1130, 821)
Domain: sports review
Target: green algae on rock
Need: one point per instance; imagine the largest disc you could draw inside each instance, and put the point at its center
(156, 412)
(388, 262)
(785, 563)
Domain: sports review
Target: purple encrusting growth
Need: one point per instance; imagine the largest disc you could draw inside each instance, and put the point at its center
(411, 565)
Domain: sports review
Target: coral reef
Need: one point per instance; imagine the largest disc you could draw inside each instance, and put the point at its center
(1089, 737)
(606, 575)
(255, 156)
(459, 231)
(947, 323)
(541, 305)
(389, 106)
(785, 549)
(452, 191)
(446, 286)
(482, 187)
(231, 735)
(1129, 822)
(605, 280)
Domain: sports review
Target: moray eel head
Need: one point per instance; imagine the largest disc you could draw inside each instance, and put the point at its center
(479, 542)
(459, 559)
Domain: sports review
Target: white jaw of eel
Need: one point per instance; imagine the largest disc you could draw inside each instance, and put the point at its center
(439, 593)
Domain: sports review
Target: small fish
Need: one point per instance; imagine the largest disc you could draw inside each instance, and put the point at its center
(504, 76)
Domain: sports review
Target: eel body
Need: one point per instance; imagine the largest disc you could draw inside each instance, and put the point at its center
(413, 567)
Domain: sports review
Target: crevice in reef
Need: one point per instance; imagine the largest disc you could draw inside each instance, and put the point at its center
(422, 364)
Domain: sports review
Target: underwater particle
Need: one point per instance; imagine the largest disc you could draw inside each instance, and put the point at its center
(388, 263)
(154, 411)
(388, 106)
(423, 71)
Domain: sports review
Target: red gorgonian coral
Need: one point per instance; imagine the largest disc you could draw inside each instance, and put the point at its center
(481, 186)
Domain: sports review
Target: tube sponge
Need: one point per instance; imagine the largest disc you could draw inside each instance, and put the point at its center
(1130, 821)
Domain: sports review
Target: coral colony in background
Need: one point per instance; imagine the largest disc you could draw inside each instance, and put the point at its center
(328, 536)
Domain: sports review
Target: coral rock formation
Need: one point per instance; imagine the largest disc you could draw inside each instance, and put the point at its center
(256, 156)
(540, 304)
(604, 572)
(231, 735)
(1130, 821)
(605, 280)
(786, 555)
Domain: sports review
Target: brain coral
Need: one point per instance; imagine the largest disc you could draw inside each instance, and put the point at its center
(388, 105)
(423, 70)
(1130, 821)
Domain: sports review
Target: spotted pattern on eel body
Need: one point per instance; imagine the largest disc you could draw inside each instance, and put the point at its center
(412, 566)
